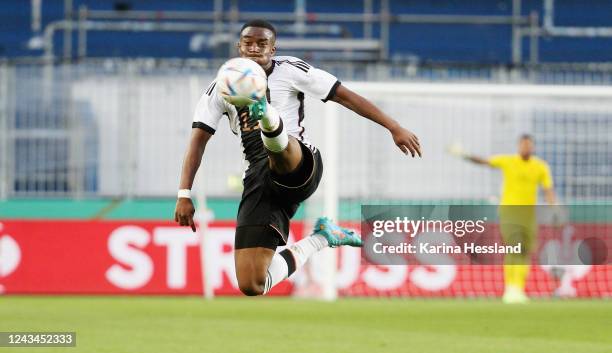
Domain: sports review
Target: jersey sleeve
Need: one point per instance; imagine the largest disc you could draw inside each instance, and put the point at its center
(546, 181)
(498, 161)
(314, 82)
(209, 110)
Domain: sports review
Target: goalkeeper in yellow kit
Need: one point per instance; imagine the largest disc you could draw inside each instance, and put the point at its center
(522, 174)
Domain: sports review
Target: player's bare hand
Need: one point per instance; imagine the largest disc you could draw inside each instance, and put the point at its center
(406, 141)
(183, 213)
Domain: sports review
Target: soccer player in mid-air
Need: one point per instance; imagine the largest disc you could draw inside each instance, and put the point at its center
(283, 167)
(522, 174)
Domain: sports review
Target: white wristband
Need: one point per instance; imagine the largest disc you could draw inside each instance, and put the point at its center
(184, 194)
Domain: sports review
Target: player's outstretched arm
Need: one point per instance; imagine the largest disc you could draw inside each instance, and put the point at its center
(457, 150)
(404, 139)
(477, 160)
(184, 211)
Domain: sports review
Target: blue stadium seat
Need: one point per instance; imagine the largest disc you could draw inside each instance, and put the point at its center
(486, 44)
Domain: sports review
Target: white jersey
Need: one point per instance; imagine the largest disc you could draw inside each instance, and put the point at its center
(289, 79)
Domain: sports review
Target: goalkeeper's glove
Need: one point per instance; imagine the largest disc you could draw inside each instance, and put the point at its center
(456, 150)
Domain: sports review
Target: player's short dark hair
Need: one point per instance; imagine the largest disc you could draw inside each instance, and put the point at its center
(260, 24)
(526, 137)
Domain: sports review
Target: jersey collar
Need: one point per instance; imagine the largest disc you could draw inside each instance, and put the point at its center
(270, 69)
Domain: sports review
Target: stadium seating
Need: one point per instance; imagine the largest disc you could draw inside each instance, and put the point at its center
(485, 44)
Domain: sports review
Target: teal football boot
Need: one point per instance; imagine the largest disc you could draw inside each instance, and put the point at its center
(258, 109)
(336, 236)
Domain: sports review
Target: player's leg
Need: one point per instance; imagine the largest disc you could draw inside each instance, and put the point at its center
(284, 151)
(325, 234)
(296, 187)
(251, 269)
(528, 241)
(517, 225)
(255, 257)
(276, 201)
(259, 268)
(511, 232)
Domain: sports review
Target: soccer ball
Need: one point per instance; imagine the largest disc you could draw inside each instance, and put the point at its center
(241, 82)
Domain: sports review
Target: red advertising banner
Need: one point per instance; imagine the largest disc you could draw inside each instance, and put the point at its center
(114, 257)
(133, 257)
(99, 257)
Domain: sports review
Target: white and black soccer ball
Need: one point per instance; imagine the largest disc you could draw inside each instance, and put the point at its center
(241, 81)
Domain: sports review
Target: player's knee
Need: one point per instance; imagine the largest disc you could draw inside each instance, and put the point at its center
(251, 291)
(251, 288)
(252, 284)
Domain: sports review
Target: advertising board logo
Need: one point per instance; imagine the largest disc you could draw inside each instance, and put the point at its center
(10, 254)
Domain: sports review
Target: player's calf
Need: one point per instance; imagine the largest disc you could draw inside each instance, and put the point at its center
(325, 234)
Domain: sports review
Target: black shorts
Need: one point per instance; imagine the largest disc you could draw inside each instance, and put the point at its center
(272, 200)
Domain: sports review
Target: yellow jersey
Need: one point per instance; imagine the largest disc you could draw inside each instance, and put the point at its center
(521, 178)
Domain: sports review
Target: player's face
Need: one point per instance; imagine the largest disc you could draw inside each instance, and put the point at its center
(526, 148)
(257, 44)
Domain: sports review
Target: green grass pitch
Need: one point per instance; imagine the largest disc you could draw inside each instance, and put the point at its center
(269, 325)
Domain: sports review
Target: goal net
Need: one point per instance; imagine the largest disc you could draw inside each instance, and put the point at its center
(572, 129)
